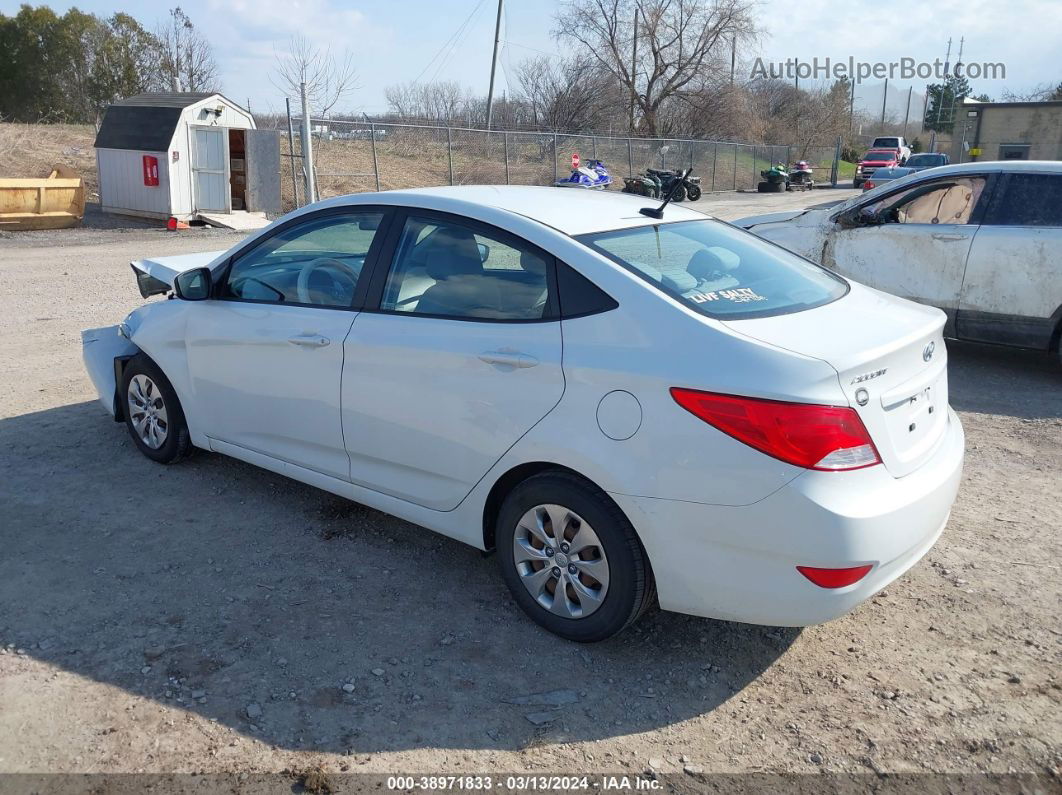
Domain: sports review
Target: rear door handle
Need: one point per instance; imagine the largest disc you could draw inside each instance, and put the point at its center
(508, 359)
(309, 340)
(945, 236)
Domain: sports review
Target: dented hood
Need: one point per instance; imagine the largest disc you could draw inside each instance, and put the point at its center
(768, 218)
(155, 276)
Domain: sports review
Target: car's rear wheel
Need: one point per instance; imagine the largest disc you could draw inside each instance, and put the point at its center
(571, 559)
(153, 413)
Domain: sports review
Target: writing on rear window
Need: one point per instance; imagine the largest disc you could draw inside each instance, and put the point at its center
(739, 295)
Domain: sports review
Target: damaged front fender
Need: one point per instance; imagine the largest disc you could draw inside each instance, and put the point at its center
(101, 348)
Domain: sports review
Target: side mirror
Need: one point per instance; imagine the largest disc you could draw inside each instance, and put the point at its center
(484, 251)
(193, 285)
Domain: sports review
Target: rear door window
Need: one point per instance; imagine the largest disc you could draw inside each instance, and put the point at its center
(444, 268)
(1028, 200)
(719, 270)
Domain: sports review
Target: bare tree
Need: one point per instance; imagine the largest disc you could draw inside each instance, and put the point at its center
(440, 102)
(187, 59)
(576, 94)
(328, 79)
(1045, 92)
(682, 44)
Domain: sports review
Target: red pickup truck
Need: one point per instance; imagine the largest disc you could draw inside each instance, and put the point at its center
(875, 158)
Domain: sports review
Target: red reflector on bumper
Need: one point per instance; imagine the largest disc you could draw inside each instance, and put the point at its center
(834, 578)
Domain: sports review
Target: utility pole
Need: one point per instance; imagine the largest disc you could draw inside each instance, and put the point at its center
(851, 108)
(907, 118)
(884, 100)
(733, 58)
(307, 147)
(494, 65)
(634, 71)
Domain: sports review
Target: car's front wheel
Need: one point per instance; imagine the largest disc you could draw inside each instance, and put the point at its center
(571, 559)
(153, 413)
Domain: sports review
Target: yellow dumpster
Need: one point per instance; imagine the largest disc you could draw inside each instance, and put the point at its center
(53, 202)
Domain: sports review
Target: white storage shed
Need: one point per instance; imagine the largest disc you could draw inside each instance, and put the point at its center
(187, 156)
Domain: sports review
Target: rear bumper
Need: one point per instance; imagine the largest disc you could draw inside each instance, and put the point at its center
(739, 563)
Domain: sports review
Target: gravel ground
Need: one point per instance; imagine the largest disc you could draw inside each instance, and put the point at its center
(215, 617)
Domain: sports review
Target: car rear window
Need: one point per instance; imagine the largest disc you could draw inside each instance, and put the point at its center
(719, 270)
(887, 142)
(925, 160)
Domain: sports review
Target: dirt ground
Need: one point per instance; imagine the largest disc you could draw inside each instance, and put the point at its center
(215, 617)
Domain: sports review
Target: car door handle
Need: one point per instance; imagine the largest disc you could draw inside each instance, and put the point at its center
(945, 236)
(309, 340)
(508, 359)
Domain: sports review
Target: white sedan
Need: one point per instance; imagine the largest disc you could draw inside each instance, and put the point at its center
(625, 408)
(979, 240)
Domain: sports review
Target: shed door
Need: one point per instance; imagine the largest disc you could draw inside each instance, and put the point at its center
(210, 181)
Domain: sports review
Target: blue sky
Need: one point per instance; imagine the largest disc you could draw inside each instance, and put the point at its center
(397, 40)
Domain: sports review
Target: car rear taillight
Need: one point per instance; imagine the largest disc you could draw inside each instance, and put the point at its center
(834, 578)
(868, 185)
(831, 438)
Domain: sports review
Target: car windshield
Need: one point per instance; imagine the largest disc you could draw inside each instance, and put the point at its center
(925, 160)
(719, 270)
(879, 156)
(887, 142)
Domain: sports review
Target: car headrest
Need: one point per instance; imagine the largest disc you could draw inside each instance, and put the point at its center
(706, 265)
(452, 251)
(532, 263)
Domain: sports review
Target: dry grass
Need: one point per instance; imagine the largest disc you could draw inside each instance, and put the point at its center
(408, 158)
(30, 150)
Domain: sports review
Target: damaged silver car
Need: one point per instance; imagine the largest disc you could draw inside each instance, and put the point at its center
(979, 240)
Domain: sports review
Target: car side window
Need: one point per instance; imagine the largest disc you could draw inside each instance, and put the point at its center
(315, 263)
(447, 269)
(1028, 200)
(950, 202)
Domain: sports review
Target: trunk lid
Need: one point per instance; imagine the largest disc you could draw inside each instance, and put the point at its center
(893, 349)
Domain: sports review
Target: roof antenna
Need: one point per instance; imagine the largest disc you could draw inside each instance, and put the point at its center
(658, 212)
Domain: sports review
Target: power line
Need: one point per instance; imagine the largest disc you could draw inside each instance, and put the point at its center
(450, 41)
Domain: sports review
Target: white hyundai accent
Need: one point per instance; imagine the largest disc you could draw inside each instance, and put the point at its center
(627, 409)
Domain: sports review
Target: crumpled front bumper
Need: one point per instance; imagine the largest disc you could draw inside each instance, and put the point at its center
(99, 349)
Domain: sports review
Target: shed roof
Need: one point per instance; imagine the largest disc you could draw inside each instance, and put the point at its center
(165, 99)
(146, 122)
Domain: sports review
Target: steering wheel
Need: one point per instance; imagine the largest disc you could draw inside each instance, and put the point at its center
(334, 268)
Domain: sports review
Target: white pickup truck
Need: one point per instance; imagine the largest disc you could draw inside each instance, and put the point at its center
(897, 142)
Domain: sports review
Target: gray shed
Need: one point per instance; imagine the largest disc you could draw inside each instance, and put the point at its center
(187, 156)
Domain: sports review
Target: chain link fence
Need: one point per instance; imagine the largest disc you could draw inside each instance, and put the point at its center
(351, 157)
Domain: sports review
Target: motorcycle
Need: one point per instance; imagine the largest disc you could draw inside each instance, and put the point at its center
(801, 177)
(775, 179)
(592, 175)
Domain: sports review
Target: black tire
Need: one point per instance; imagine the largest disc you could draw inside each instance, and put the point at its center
(631, 589)
(856, 183)
(177, 443)
(776, 187)
(680, 194)
(761, 187)
(693, 192)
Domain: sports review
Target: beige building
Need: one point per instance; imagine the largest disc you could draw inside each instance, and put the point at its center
(1007, 131)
